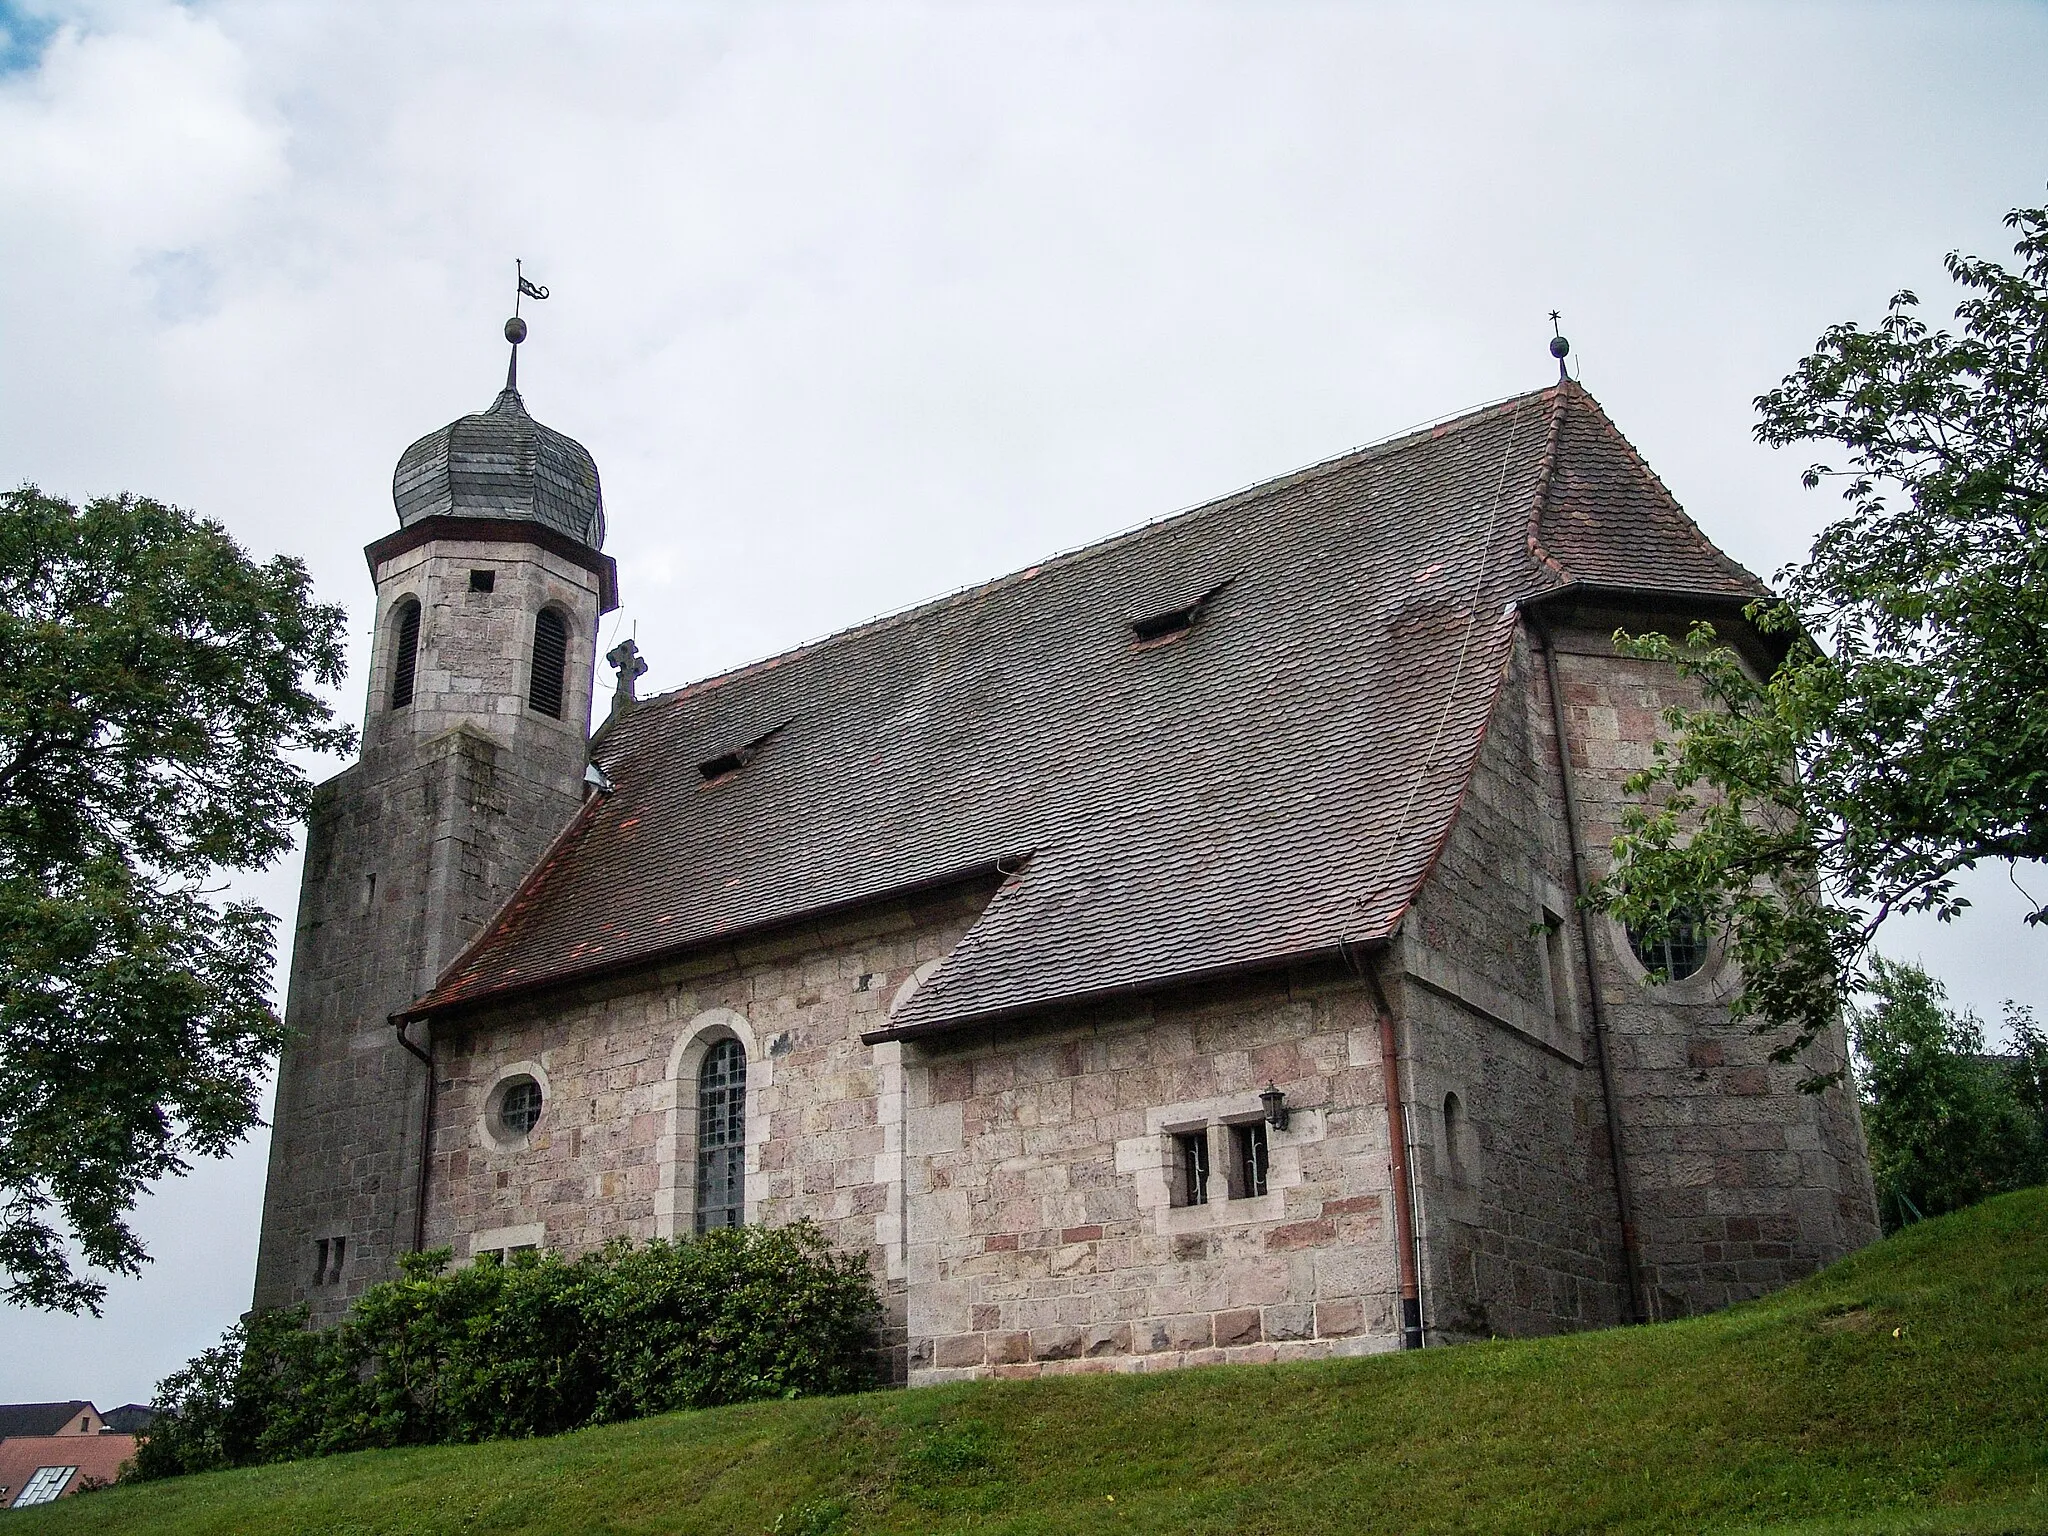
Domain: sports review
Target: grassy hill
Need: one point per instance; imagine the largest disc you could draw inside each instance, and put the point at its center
(1903, 1390)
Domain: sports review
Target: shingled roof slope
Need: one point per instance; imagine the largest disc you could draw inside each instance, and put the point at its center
(1275, 781)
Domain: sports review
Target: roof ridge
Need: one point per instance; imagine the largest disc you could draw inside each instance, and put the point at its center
(1407, 437)
(1545, 473)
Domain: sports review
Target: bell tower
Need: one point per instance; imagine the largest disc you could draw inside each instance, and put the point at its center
(476, 735)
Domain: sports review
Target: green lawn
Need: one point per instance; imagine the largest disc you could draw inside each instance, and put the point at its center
(1906, 1389)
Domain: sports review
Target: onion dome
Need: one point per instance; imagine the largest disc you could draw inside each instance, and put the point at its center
(504, 465)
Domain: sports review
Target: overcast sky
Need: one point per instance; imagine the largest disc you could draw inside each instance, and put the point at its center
(857, 304)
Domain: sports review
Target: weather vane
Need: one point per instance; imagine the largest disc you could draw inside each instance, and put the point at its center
(515, 328)
(1559, 347)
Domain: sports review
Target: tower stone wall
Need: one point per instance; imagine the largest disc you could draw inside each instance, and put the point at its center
(409, 852)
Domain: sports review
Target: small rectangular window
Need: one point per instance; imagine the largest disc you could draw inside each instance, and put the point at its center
(340, 1257)
(483, 581)
(1191, 1168)
(1248, 1160)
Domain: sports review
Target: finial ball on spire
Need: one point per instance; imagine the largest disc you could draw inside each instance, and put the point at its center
(1559, 347)
(515, 330)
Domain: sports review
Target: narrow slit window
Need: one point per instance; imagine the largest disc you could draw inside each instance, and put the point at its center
(1455, 1134)
(1559, 964)
(722, 1136)
(1248, 1158)
(1191, 1168)
(320, 1261)
(340, 1258)
(405, 653)
(550, 663)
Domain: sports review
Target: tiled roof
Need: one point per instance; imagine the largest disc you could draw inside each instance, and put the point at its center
(1271, 784)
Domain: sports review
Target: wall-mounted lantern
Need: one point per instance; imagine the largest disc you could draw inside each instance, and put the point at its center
(1275, 1101)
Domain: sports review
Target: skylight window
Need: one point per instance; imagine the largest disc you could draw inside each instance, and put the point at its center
(1167, 624)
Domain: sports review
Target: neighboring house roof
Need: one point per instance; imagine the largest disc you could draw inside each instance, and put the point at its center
(1274, 783)
(41, 1418)
(129, 1418)
(98, 1457)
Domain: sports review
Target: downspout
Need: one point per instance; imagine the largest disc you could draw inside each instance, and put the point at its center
(419, 1195)
(1397, 1142)
(1623, 1201)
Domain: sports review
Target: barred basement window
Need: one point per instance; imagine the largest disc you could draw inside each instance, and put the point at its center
(1191, 1168)
(1680, 951)
(550, 661)
(405, 653)
(722, 1136)
(1248, 1159)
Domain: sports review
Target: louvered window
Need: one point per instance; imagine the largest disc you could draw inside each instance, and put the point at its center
(550, 660)
(405, 655)
(722, 1137)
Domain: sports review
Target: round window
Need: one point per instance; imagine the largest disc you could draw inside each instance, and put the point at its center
(519, 1109)
(1676, 953)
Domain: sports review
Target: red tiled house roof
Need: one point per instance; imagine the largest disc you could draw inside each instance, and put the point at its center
(1269, 786)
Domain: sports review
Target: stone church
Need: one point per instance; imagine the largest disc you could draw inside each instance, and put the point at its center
(1165, 954)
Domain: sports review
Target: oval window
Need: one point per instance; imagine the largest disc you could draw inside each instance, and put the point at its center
(1676, 953)
(519, 1108)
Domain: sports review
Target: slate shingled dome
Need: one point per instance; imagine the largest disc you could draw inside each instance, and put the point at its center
(501, 463)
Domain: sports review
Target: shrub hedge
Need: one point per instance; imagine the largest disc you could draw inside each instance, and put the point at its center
(534, 1347)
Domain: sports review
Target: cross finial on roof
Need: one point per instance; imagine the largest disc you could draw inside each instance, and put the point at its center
(1559, 347)
(625, 660)
(515, 328)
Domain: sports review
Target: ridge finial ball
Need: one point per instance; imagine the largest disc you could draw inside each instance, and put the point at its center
(1559, 347)
(515, 330)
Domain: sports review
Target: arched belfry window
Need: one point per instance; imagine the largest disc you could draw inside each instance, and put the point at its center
(550, 661)
(405, 653)
(722, 1136)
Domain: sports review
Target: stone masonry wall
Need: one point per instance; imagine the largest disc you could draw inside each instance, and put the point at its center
(613, 1152)
(408, 854)
(1032, 1168)
(1520, 1232)
(1042, 1237)
(1741, 1182)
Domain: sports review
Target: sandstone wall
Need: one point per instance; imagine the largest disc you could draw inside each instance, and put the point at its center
(1520, 1233)
(1741, 1182)
(1042, 1233)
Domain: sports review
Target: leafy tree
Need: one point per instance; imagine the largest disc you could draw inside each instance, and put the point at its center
(1948, 1124)
(154, 682)
(1904, 737)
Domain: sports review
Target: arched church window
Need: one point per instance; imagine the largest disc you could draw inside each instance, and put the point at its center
(550, 661)
(405, 653)
(1676, 953)
(722, 1136)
